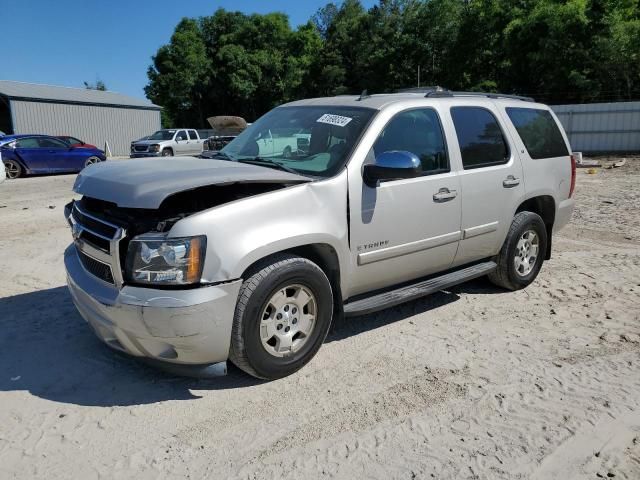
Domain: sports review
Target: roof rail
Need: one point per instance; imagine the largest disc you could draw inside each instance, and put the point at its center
(449, 93)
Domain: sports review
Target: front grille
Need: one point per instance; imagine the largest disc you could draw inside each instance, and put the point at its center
(93, 225)
(97, 268)
(140, 148)
(98, 244)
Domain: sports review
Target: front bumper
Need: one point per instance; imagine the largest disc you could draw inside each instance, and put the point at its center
(143, 154)
(186, 327)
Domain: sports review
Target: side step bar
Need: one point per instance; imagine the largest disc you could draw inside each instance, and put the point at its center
(416, 290)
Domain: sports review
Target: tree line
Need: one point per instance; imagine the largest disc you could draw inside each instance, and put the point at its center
(231, 63)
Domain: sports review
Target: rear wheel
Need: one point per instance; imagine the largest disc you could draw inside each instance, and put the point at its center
(282, 317)
(12, 169)
(522, 254)
(167, 152)
(91, 161)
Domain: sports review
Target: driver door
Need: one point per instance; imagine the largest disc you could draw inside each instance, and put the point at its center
(409, 228)
(182, 145)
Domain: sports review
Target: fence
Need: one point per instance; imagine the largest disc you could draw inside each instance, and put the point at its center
(601, 127)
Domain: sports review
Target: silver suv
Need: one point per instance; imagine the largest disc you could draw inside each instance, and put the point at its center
(379, 200)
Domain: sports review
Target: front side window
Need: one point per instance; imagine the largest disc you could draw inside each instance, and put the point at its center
(481, 140)
(310, 140)
(193, 135)
(417, 131)
(27, 143)
(182, 135)
(539, 132)
(46, 142)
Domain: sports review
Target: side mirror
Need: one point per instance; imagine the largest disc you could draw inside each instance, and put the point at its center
(393, 165)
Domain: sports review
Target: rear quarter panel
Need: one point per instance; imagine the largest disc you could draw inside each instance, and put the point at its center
(545, 176)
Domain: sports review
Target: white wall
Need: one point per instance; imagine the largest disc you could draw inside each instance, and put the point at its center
(601, 127)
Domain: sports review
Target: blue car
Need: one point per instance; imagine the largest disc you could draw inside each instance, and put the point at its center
(31, 154)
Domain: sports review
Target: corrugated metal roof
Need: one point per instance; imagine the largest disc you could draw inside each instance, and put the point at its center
(51, 93)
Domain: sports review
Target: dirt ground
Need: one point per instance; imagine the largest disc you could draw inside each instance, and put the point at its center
(471, 383)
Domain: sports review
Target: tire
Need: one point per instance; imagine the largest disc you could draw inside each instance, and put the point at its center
(514, 274)
(13, 169)
(256, 317)
(91, 161)
(167, 152)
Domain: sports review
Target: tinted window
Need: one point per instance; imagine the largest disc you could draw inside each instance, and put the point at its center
(539, 132)
(193, 135)
(182, 135)
(417, 131)
(480, 137)
(52, 143)
(27, 143)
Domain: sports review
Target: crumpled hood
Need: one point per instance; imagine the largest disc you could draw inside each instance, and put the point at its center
(145, 183)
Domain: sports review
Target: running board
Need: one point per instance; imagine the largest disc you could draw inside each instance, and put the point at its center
(416, 290)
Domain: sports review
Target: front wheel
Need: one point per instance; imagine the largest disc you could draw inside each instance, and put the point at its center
(12, 169)
(91, 161)
(167, 152)
(282, 317)
(522, 253)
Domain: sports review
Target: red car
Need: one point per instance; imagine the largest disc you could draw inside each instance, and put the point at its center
(75, 142)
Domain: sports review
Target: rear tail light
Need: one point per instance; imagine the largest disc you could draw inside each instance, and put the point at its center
(573, 176)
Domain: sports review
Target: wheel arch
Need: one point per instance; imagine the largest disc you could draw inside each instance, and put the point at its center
(545, 207)
(322, 254)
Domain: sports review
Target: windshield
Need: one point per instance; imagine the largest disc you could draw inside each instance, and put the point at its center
(163, 135)
(308, 140)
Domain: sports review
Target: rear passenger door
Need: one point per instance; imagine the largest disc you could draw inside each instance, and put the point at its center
(195, 147)
(491, 180)
(29, 151)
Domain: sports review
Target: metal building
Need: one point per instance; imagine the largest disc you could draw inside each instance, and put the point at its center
(93, 116)
(601, 127)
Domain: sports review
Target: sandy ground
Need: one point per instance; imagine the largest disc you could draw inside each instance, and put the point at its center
(472, 383)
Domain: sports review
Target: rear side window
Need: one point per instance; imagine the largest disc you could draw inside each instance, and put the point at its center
(481, 140)
(193, 135)
(539, 132)
(27, 143)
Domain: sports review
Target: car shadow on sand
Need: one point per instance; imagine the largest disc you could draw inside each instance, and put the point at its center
(47, 349)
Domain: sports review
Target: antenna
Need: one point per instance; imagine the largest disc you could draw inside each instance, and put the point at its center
(363, 95)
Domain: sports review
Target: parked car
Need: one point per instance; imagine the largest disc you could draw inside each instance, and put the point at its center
(75, 142)
(31, 154)
(167, 143)
(250, 259)
(224, 129)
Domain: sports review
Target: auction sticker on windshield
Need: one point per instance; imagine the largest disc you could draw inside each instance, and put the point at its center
(337, 120)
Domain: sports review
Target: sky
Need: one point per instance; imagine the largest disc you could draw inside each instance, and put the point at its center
(67, 42)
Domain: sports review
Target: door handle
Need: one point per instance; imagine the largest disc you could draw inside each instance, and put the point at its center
(510, 182)
(444, 195)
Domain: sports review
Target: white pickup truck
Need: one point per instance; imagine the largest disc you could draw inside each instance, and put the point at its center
(167, 143)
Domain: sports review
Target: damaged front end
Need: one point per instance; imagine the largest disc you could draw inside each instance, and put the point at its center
(121, 244)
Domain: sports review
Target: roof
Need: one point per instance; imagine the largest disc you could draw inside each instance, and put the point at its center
(54, 94)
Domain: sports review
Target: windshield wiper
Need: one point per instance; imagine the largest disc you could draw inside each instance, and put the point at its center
(265, 162)
(223, 156)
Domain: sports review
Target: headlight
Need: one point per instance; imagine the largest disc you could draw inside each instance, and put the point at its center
(154, 148)
(155, 260)
(132, 147)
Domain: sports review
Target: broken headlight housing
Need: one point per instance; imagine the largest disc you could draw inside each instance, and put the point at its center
(154, 259)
